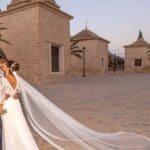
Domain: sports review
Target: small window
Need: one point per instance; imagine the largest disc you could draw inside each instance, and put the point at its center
(55, 59)
(137, 62)
(102, 62)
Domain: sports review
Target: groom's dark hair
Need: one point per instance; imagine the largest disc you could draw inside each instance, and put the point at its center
(3, 60)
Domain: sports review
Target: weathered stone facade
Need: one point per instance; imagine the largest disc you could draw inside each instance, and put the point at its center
(33, 27)
(136, 58)
(96, 53)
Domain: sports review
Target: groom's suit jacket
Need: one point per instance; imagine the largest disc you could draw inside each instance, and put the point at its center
(1, 75)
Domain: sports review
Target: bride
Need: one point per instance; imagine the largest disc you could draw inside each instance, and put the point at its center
(15, 133)
(52, 124)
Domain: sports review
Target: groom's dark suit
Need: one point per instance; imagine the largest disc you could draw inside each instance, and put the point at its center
(0, 133)
(1, 75)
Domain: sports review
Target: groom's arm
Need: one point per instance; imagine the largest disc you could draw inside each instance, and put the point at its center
(17, 95)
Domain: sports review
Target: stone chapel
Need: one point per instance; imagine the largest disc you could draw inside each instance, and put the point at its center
(136, 58)
(96, 53)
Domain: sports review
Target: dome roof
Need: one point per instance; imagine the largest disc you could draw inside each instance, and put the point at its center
(138, 43)
(18, 1)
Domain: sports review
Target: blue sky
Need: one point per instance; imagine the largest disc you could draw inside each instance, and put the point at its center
(116, 20)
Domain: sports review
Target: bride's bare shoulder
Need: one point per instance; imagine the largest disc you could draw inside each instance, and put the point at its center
(2, 81)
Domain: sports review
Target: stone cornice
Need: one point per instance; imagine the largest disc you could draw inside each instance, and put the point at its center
(35, 4)
(46, 6)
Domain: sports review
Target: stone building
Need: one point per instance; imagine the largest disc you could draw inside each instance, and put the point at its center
(40, 35)
(96, 53)
(136, 59)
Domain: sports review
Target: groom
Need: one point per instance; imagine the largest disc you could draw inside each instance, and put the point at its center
(2, 56)
(1, 75)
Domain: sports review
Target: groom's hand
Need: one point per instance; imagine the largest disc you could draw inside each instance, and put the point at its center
(16, 96)
(7, 96)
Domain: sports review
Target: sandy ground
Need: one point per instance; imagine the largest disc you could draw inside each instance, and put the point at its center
(106, 103)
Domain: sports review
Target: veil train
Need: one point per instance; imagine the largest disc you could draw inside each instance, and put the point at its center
(64, 133)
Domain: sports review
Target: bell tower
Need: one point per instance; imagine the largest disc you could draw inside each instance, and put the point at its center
(40, 35)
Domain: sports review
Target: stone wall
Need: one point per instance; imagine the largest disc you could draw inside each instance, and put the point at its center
(103, 53)
(95, 50)
(22, 32)
(54, 30)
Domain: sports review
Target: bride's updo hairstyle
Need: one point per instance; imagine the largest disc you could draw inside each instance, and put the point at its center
(15, 66)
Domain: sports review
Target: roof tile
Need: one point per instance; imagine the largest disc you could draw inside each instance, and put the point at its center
(87, 34)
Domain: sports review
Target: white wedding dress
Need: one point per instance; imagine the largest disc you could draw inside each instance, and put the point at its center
(55, 126)
(16, 134)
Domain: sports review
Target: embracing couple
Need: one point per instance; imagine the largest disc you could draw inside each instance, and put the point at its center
(15, 131)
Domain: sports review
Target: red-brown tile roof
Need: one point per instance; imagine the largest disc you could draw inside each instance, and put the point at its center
(87, 34)
(138, 43)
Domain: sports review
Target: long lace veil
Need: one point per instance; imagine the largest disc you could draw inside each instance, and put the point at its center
(64, 133)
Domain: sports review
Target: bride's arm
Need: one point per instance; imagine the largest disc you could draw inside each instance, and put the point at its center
(14, 84)
(3, 93)
(1, 98)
